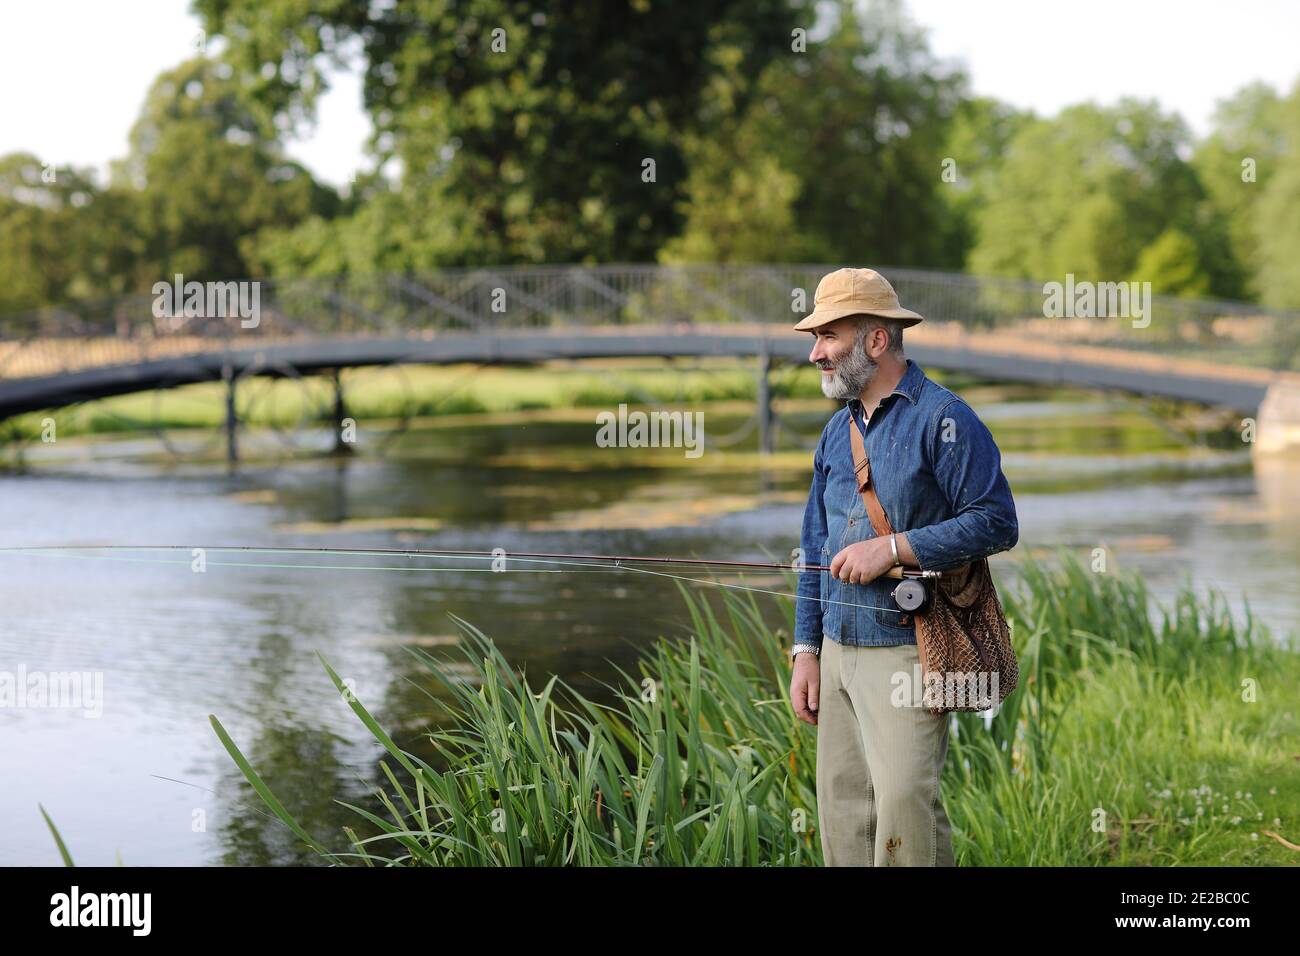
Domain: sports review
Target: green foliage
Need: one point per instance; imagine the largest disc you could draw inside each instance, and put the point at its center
(205, 174)
(978, 136)
(1085, 193)
(691, 772)
(1277, 234)
(1121, 708)
(528, 146)
(209, 174)
(741, 214)
(524, 145)
(837, 158)
(61, 236)
(1246, 148)
(390, 232)
(58, 838)
(34, 271)
(1172, 267)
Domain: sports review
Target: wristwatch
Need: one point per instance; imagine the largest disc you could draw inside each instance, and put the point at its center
(812, 649)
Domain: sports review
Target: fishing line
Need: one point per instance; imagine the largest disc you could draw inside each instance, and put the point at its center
(622, 563)
(54, 552)
(427, 552)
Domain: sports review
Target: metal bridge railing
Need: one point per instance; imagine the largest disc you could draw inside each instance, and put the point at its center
(130, 329)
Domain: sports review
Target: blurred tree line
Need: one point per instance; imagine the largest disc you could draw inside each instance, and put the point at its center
(597, 131)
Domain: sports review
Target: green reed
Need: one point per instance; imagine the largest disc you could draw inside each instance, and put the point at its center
(1127, 732)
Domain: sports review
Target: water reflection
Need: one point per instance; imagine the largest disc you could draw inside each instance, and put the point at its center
(150, 779)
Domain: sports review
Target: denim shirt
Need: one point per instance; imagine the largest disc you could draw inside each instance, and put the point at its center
(938, 474)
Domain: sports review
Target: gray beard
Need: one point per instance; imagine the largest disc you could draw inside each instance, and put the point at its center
(851, 375)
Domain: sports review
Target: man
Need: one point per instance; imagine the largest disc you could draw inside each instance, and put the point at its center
(938, 474)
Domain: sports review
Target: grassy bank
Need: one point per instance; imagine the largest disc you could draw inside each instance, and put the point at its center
(385, 395)
(1139, 735)
(1047, 431)
(380, 394)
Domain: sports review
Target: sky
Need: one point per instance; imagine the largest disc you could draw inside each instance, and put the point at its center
(75, 72)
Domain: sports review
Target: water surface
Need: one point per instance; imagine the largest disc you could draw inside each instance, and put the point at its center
(149, 780)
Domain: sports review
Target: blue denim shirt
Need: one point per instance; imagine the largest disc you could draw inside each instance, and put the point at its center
(938, 474)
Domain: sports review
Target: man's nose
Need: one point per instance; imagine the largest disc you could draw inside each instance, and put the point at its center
(817, 354)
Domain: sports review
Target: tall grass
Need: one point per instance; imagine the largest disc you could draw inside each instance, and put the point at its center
(1120, 745)
(690, 765)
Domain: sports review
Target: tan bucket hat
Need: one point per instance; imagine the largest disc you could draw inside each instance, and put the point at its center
(847, 292)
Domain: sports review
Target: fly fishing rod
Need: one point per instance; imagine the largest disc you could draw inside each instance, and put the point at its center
(911, 595)
(617, 559)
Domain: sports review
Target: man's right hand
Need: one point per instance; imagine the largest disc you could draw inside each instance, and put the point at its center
(805, 687)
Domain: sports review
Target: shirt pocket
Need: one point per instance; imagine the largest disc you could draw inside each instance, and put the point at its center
(872, 611)
(895, 619)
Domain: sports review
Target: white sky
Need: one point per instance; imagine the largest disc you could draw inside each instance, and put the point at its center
(74, 72)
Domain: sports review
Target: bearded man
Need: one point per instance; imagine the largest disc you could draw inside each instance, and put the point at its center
(938, 474)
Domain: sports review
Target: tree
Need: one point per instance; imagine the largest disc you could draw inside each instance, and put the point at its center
(1236, 162)
(1172, 265)
(978, 136)
(61, 236)
(1271, 228)
(1088, 191)
(838, 157)
(525, 131)
(209, 172)
(746, 213)
(1278, 238)
(35, 273)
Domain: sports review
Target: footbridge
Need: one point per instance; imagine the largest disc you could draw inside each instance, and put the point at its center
(1235, 355)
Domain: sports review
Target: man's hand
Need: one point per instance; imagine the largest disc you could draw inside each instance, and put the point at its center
(864, 561)
(805, 687)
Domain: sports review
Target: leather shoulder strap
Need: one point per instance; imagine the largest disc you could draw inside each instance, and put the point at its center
(862, 472)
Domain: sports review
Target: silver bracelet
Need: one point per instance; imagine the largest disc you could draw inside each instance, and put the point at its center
(798, 649)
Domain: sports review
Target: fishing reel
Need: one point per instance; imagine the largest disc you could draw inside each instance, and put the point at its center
(914, 594)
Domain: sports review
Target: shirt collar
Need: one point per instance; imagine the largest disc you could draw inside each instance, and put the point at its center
(909, 386)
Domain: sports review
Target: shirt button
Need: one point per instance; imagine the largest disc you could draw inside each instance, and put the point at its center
(852, 522)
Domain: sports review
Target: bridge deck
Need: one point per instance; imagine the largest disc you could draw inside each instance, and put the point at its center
(47, 382)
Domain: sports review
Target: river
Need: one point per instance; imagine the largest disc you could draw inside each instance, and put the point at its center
(148, 780)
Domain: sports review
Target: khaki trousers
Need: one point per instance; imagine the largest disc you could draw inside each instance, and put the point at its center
(878, 764)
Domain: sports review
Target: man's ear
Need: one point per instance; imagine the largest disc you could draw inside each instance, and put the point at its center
(872, 335)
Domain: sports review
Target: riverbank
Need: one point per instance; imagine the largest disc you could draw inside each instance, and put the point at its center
(389, 397)
(1140, 734)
